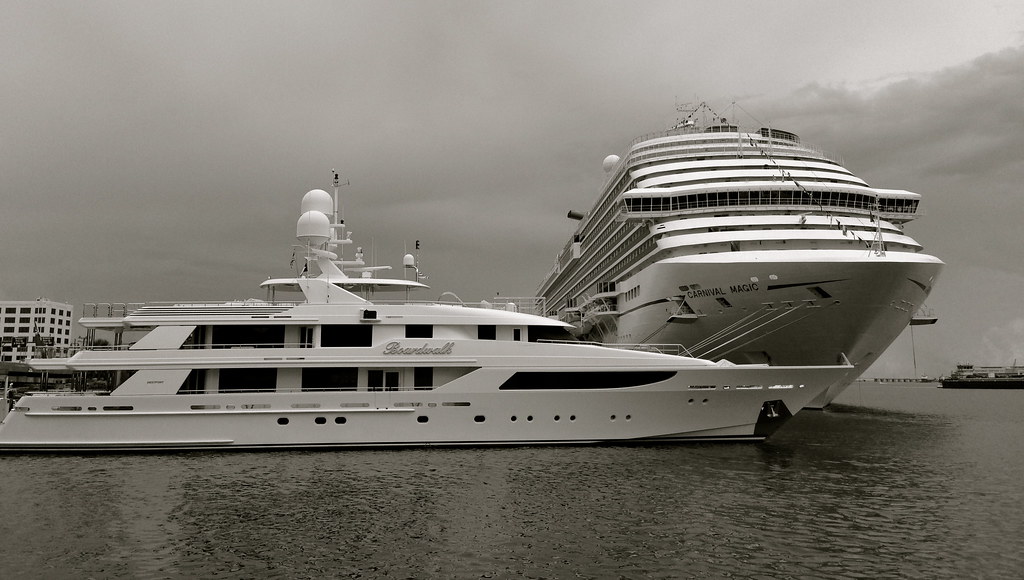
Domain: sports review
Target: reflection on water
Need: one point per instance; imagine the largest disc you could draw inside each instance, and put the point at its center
(892, 482)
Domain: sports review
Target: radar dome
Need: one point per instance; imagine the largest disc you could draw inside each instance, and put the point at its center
(314, 227)
(318, 200)
(609, 163)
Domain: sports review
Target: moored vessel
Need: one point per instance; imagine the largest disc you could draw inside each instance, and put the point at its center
(968, 376)
(333, 369)
(744, 245)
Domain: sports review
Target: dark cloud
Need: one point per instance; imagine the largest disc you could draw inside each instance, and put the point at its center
(159, 150)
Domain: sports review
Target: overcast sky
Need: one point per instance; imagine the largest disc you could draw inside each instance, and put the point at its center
(159, 150)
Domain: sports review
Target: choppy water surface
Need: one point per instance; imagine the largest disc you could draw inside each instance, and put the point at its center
(895, 481)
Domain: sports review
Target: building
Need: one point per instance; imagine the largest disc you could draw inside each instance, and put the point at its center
(34, 328)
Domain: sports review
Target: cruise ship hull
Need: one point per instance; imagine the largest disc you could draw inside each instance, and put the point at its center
(711, 403)
(794, 307)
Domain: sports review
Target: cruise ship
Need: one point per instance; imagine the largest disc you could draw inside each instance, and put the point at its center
(742, 245)
(333, 369)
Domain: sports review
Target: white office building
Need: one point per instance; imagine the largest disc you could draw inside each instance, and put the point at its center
(34, 328)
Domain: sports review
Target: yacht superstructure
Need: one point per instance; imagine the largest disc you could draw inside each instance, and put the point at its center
(333, 369)
(742, 245)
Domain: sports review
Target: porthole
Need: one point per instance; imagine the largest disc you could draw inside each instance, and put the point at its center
(529, 417)
(613, 417)
(282, 420)
(629, 417)
(340, 420)
(479, 418)
(690, 402)
(557, 417)
(422, 419)
(513, 418)
(320, 420)
(572, 417)
(704, 402)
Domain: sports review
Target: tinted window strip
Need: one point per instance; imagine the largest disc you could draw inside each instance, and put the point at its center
(541, 380)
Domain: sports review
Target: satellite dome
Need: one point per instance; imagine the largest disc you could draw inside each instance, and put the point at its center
(318, 200)
(314, 227)
(609, 163)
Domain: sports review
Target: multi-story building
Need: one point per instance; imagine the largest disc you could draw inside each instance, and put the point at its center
(34, 328)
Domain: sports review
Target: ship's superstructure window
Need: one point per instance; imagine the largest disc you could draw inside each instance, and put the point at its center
(248, 335)
(194, 383)
(544, 380)
(346, 335)
(329, 378)
(704, 200)
(248, 380)
(383, 380)
(419, 331)
(487, 332)
(423, 377)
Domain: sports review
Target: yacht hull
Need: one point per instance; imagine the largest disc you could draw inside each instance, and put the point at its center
(710, 403)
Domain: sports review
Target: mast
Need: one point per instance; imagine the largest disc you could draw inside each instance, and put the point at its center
(338, 220)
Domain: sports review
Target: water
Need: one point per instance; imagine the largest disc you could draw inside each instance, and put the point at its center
(891, 482)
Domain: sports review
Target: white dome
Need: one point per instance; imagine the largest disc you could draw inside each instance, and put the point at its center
(314, 227)
(609, 163)
(317, 200)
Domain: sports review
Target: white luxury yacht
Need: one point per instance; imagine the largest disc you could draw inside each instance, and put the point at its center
(334, 370)
(742, 245)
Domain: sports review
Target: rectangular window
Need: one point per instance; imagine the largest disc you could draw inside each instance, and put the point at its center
(329, 379)
(487, 332)
(517, 334)
(248, 335)
(346, 335)
(249, 380)
(423, 377)
(419, 331)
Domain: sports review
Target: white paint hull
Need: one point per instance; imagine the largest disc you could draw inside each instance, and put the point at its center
(462, 413)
